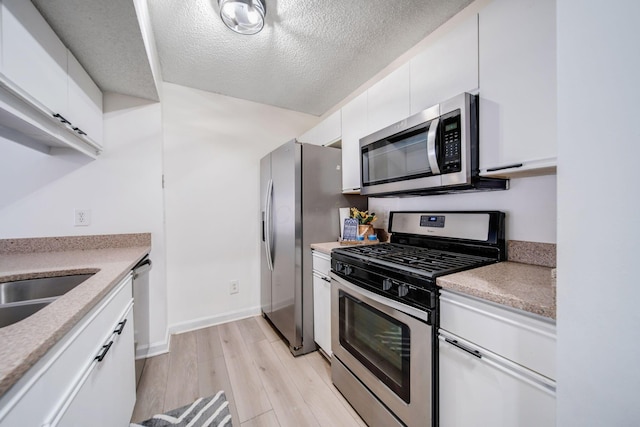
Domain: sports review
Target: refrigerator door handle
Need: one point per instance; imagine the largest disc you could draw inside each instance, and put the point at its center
(267, 209)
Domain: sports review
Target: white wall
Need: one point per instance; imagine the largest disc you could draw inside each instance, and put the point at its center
(598, 213)
(39, 192)
(213, 146)
(529, 204)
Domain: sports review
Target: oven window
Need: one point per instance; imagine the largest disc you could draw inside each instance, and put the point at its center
(378, 341)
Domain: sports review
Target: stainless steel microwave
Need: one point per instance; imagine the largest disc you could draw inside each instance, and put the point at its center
(434, 151)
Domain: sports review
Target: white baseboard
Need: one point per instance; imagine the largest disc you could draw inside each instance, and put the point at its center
(155, 349)
(205, 322)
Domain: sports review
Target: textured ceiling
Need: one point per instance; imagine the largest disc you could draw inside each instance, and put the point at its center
(309, 56)
(105, 37)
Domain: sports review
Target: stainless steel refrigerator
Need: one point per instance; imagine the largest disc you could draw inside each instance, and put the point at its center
(300, 187)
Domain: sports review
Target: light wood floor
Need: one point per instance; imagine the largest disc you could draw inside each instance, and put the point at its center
(265, 385)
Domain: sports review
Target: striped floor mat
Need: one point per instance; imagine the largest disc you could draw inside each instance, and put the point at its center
(210, 411)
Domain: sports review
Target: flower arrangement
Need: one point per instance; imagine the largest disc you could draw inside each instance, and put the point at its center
(363, 217)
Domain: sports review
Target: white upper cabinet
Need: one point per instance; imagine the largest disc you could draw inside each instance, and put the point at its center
(46, 98)
(446, 68)
(85, 102)
(33, 57)
(354, 127)
(518, 88)
(389, 100)
(327, 131)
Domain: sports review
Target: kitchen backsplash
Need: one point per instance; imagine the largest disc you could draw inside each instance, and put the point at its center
(535, 253)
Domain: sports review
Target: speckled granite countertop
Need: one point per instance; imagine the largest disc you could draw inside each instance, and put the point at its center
(23, 343)
(325, 247)
(522, 286)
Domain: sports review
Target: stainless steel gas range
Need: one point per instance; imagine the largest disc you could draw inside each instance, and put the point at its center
(384, 310)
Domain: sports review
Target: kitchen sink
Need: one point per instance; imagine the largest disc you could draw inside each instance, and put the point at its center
(21, 298)
(15, 312)
(45, 287)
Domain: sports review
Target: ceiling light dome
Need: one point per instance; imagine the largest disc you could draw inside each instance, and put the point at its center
(243, 16)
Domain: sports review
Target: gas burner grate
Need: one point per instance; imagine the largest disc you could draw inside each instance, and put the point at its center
(415, 260)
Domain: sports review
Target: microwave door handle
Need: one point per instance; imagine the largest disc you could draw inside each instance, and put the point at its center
(431, 147)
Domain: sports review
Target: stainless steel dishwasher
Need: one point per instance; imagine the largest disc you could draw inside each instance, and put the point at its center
(141, 312)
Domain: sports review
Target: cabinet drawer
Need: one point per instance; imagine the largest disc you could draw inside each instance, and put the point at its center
(523, 339)
(321, 262)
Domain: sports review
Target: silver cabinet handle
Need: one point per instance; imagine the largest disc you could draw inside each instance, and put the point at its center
(455, 343)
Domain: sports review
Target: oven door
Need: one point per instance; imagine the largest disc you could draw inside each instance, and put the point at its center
(388, 346)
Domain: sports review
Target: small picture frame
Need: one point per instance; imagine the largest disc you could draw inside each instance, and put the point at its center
(350, 231)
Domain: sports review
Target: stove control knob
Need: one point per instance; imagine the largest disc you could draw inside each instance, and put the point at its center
(403, 290)
(348, 270)
(386, 284)
(339, 266)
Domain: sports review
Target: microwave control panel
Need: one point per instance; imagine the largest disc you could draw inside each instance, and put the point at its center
(452, 143)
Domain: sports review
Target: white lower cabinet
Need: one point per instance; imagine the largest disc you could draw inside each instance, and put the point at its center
(487, 378)
(487, 390)
(87, 378)
(322, 301)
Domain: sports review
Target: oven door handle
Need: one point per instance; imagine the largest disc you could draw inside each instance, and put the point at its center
(432, 156)
(359, 292)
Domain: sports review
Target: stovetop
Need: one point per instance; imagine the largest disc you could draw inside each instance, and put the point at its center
(424, 246)
(417, 261)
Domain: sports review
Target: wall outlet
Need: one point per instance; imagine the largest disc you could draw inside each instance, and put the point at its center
(81, 217)
(234, 287)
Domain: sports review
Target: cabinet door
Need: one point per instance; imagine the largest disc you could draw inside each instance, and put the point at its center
(85, 102)
(481, 392)
(446, 68)
(517, 86)
(107, 396)
(389, 100)
(354, 127)
(34, 60)
(322, 312)
(327, 131)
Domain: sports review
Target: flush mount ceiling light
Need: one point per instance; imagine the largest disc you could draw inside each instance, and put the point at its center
(243, 16)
